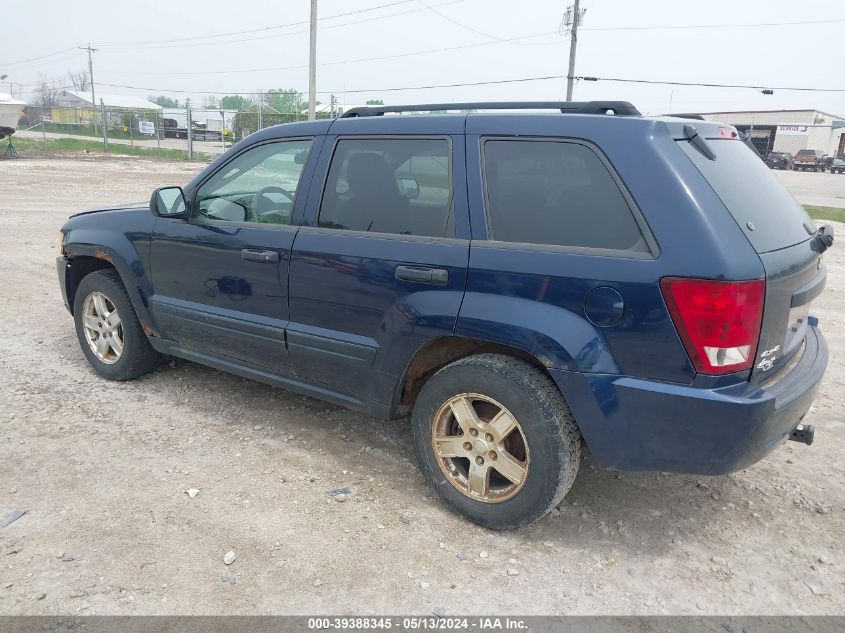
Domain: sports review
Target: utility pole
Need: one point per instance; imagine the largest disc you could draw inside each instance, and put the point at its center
(91, 76)
(312, 65)
(190, 129)
(573, 45)
(105, 127)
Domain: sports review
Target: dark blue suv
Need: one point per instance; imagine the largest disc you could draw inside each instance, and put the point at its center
(522, 283)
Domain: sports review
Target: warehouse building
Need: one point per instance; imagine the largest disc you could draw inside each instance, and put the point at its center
(75, 108)
(787, 130)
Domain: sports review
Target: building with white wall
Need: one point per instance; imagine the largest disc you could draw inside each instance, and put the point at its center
(787, 130)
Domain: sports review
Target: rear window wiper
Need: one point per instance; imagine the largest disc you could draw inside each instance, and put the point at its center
(698, 141)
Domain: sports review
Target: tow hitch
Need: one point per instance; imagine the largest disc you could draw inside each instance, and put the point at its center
(803, 434)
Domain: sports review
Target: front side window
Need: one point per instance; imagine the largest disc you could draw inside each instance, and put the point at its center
(553, 192)
(392, 185)
(258, 186)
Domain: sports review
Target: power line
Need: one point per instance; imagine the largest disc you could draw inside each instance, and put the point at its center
(257, 30)
(35, 59)
(338, 91)
(710, 26)
(466, 26)
(340, 62)
(253, 39)
(56, 60)
(493, 82)
(709, 85)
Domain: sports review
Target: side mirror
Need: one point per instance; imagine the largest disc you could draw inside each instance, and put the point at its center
(409, 188)
(169, 202)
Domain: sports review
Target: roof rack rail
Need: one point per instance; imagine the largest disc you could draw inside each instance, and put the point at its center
(619, 108)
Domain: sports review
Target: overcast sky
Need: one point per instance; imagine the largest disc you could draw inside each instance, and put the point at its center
(164, 48)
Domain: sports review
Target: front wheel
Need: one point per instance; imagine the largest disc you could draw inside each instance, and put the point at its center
(496, 440)
(108, 329)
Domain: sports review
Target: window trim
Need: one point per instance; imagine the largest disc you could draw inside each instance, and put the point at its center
(387, 137)
(636, 213)
(194, 210)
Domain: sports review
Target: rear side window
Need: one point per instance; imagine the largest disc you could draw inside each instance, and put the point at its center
(556, 192)
(765, 211)
(391, 185)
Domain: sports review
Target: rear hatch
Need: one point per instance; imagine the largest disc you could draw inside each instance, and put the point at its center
(779, 230)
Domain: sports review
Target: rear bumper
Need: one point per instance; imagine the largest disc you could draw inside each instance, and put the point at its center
(634, 424)
(61, 270)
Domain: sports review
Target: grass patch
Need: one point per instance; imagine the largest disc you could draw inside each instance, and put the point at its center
(826, 213)
(87, 130)
(53, 146)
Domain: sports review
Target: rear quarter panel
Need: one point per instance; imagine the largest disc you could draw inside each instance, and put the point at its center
(540, 291)
(532, 297)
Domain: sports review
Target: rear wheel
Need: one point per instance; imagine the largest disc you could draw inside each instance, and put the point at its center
(108, 329)
(495, 439)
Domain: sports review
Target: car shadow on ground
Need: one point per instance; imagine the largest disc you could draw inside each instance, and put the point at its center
(643, 511)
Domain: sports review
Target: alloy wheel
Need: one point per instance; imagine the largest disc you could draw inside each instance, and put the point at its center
(480, 448)
(103, 328)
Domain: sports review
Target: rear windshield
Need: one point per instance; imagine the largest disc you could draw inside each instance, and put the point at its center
(806, 152)
(752, 195)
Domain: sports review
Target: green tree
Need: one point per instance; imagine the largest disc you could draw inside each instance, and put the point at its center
(375, 102)
(165, 102)
(234, 102)
(285, 101)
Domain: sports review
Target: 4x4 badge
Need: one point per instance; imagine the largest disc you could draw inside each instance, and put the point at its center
(768, 357)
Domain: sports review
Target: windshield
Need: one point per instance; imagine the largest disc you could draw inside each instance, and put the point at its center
(754, 197)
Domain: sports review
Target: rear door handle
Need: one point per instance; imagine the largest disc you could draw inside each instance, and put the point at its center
(265, 257)
(424, 275)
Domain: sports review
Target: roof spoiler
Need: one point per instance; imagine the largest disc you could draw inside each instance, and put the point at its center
(618, 108)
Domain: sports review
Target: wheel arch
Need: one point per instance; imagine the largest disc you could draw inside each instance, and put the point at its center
(439, 352)
(77, 269)
(85, 258)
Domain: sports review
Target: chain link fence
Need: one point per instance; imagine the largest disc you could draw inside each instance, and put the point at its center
(804, 148)
(164, 132)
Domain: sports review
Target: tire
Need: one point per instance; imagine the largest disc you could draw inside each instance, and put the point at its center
(137, 357)
(546, 441)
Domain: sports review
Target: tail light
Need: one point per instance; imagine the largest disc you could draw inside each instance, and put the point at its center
(718, 321)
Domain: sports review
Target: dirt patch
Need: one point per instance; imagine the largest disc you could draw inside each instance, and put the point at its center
(102, 470)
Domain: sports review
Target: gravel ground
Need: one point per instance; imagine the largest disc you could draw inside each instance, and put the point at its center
(101, 468)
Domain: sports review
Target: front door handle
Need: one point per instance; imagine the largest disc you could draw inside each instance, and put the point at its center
(424, 275)
(265, 257)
